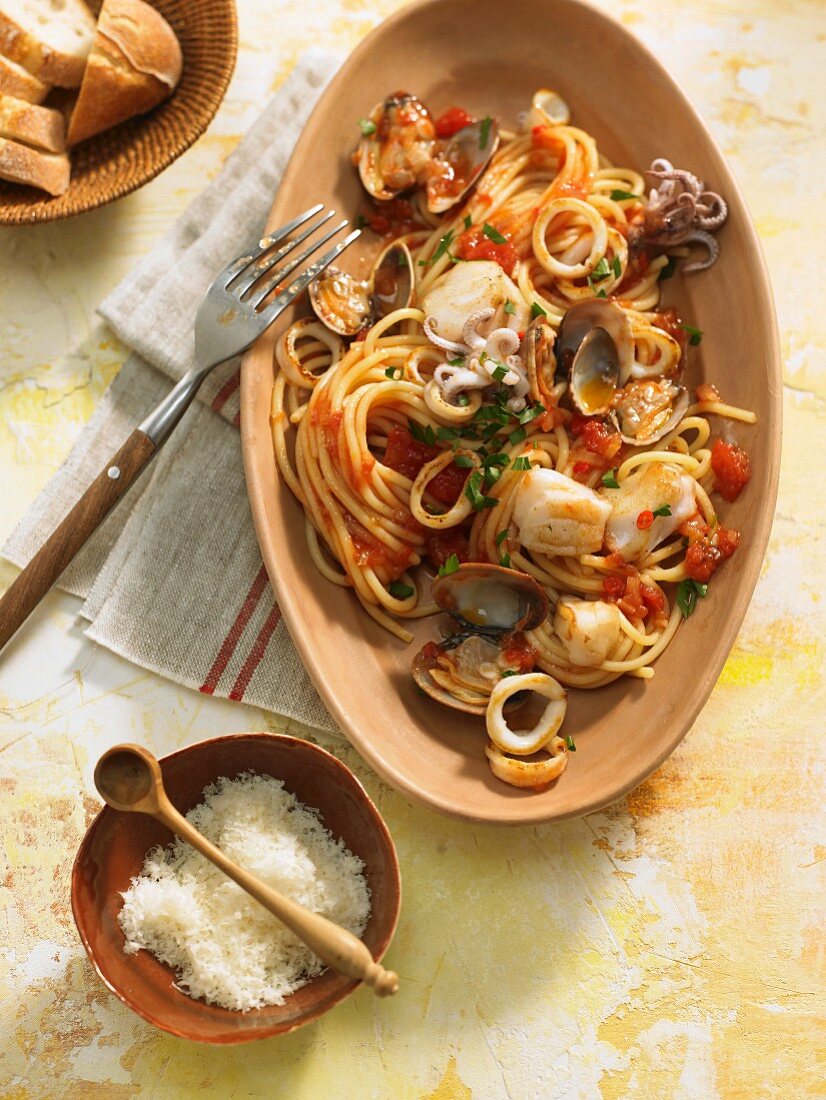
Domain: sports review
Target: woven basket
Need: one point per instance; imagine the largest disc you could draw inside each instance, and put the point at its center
(120, 160)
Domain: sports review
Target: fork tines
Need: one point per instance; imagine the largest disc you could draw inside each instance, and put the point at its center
(244, 278)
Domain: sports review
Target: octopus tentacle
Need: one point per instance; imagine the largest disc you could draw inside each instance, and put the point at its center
(700, 236)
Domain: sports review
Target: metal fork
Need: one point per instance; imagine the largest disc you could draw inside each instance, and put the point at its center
(233, 313)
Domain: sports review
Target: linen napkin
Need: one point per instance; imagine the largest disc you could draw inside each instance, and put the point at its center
(173, 580)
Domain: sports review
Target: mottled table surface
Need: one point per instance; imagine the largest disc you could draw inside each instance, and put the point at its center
(668, 947)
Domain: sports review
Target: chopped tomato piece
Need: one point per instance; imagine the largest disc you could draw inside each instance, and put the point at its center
(405, 454)
(707, 548)
(474, 245)
(645, 519)
(452, 121)
(707, 392)
(440, 545)
(613, 587)
(448, 484)
(596, 436)
(518, 653)
(582, 467)
(727, 540)
(732, 469)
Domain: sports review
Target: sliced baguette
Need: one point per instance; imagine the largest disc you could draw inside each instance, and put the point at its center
(135, 63)
(22, 164)
(19, 82)
(31, 125)
(50, 38)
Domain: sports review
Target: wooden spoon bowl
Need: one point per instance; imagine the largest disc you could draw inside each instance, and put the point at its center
(114, 849)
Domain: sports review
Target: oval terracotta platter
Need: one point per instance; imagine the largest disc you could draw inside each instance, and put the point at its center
(489, 57)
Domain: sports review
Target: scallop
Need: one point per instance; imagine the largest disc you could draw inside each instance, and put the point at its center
(460, 163)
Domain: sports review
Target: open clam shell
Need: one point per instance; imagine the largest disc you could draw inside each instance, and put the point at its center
(595, 313)
(397, 154)
(491, 600)
(340, 301)
(459, 165)
(646, 411)
(595, 373)
(548, 108)
(423, 664)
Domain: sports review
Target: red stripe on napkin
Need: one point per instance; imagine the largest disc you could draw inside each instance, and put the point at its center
(235, 631)
(256, 653)
(226, 391)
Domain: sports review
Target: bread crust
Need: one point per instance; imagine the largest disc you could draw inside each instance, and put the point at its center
(47, 64)
(19, 82)
(22, 164)
(134, 65)
(32, 125)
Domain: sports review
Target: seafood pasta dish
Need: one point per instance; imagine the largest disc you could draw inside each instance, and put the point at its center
(495, 424)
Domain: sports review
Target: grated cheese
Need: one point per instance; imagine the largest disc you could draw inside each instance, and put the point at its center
(225, 947)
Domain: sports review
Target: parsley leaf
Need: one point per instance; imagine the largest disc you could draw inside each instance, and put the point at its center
(473, 491)
(505, 561)
(501, 536)
(510, 672)
(450, 566)
(484, 131)
(367, 126)
(695, 334)
(468, 221)
(688, 591)
(441, 249)
(360, 221)
(537, 310)
(493, 234)
(498, 459)
(393, 372)
(463, 399)
(601, 294)
(521, 463)
(421, 434)
(517, 435)
(509, 306)
(530, 413)
(448, 433)
(616, 267)
(499, 372)
(463, 461)
(620, 196)
(459, 361)
(569, 741)
(400, 591)
(663, 510)
(609, 480)
(600, 272)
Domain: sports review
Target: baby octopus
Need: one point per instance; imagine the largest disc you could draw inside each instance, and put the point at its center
(680, 211)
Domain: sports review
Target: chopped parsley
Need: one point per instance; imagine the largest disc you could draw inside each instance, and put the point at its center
(359, 221)
(367, 126)
(537, 310)
(616, 267)
(621, 196)
(569, 741)
(601, 293)
(521, 463)
(441, 249)
(501, 536)
(393, 372)
(510, 672)
(457, 362)
(464, 461)
(484, 131)
(695, 334)
(688, 592)
(493, 234)
(448, 433)
(600, 272)
(517, 435)
(498, 459)
(609, 480)
(499, 372)
(421, 434)
(509, 306)
(463, 399)
(530, 413)
(450, 566)
(473, 491)
(505, 561)
(663, 510)
(400, 591)
(468, 221)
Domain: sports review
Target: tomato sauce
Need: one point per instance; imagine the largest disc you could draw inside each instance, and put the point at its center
(732, 469)
(392, 219)
(707, 549)
(370, 552)
(474, 245)
(518, 653)
(407, 455)
(596, 436)
(452, 121)
(440, 545)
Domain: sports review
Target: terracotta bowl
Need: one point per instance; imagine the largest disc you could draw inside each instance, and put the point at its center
(489, 57)
(120, 160)
(114, 848)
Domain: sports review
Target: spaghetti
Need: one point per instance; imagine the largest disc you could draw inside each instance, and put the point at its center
(523, 406)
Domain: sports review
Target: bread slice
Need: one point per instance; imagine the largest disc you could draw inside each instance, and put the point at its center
(22, 164)
(135, 63)
(19, 82)
(50, 38)
(37, 126)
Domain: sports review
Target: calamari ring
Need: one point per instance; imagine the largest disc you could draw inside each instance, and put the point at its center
(529, 773)
(597, 225)
(463, 506)
(300, 365)
(525, 742)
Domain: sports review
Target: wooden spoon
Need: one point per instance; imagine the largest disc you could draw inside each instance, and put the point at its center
(128, 778)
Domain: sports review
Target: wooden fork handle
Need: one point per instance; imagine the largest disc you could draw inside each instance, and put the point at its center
(51, 559)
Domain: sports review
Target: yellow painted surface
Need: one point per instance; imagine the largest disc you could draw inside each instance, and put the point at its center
(671, 946)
